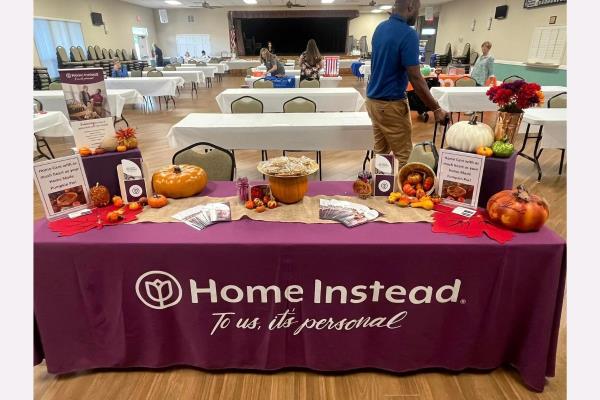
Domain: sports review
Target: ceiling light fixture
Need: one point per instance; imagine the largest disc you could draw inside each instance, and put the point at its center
(386, 7)
(377, 11)
(250, 1)
(327, 1)
(173, 2)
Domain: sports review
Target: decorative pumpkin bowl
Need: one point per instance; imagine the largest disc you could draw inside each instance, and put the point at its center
(416, 167)
(288, 186)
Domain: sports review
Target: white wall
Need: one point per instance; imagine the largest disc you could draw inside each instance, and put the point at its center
(510, 37)
(365, 24)
(118, 16)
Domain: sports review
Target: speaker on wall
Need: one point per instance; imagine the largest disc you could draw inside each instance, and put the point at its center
(97, 19)
(501, 12)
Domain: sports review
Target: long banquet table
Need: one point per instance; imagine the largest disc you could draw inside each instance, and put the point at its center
(325, 81)
(54, 100)
(327, 99)
(51, 124)
(275, 131)
(187, 76)
(155, 86)
(158, 295)
(208, 71)
(242, 64)
(464, 99)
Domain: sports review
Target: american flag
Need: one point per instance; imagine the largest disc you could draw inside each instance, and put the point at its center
(332, 66)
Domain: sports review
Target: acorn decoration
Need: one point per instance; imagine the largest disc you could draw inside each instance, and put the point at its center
(362, 186)
(99, 195)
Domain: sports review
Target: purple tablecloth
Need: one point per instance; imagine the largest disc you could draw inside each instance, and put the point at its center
(102, 168)
(498, 174)
(97, 304)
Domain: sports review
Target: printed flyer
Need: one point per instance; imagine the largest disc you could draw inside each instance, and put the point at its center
(459, 177)
(87, 104)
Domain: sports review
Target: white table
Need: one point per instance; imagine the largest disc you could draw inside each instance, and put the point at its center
(52, 124)
(553, 123)
(288, 72)
(330, 131)
(54, 100)
(325, 81)
(221, 68)
(187, 76)
(208, 71)
(344, 63)
(242, 64)
(326, 99)
(155, 86)
(464, 99)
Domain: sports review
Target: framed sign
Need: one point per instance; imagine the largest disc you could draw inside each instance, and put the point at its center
(459, 177)
(541, 3)
(62, 186)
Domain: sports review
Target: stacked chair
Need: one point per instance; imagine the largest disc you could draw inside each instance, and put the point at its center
(121, 55)
(464, 57)
(98, 60)
(78, 57)
(442, 60)
(41, 79)
(64, 61)
(138, 64)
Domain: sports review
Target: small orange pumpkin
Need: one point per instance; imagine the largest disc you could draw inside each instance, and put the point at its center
(117, 201)
(485, 151)
(121, 148)
(99, 150)
(177, 181)
(157, 201)
(85, 151)
(114, 216)
(134, 206)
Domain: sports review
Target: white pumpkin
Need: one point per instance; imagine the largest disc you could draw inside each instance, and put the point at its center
(109, 143)
(469, 135)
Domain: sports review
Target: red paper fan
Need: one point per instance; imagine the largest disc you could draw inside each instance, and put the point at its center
(97, 219)
(445, 221)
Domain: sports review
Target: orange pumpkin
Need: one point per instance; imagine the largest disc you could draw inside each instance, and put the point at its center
(484, 151)
(518, 210)
(288, 190)
(134, 206)
(117, 201)
(177, 181)
(121, 148)
(157, 201)
(85, 151)
(99, 150)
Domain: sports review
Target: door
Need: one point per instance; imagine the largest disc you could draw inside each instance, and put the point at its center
(141, 47)
(427, 31)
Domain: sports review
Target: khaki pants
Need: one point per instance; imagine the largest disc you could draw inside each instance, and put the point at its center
(392, 128)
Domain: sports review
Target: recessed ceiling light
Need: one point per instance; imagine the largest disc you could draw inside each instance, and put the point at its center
(250, 1)
(377, 11)
(327, 1)
(173, 2)
(387, 7)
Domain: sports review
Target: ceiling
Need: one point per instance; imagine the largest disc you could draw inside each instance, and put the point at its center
(268, 3)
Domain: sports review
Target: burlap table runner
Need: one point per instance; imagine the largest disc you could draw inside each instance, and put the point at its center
(306, 211)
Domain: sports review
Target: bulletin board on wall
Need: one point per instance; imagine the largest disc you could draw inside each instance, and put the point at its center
(541, 3)
(547, 46)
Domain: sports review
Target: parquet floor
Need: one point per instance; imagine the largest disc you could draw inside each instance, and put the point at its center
(187, 383)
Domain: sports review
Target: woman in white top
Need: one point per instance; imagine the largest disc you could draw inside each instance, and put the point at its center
(484, 66)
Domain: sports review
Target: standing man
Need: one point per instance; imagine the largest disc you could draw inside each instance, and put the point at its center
(394, 62)
(157, 52)
(84, 95)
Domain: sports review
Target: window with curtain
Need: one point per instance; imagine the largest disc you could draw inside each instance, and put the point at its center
(48, 34)
(194, 44)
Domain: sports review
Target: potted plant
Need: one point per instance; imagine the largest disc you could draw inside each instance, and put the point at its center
(512, 98)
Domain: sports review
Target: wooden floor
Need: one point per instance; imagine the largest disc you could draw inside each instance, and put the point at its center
(187, 383)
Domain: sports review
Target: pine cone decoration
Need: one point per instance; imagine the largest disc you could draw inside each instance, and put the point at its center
(99, 195)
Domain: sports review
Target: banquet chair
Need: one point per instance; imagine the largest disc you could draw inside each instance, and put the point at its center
(169, 67)
(464, 57)
(153, 73)
(149, 68)
(200, 64)
(111, 54)
(136, 73)
(55, 86)
(302, 105)
(77, 57)
(262, 83)
(474, 57)
(122, 58)
(513, 78)
(249, 105)
(218, 162)
(137, 63)
(465, 81)
(309, 83)
(63, 59)
(177, 64)
(84, 58)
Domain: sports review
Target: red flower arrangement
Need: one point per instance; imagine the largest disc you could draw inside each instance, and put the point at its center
(515, 96)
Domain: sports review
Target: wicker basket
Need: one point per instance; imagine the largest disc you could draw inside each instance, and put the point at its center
(417, 167)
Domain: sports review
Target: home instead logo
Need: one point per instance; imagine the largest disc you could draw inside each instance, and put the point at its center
(158, 289)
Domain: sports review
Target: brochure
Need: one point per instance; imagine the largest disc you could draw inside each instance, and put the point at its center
(345, 212)
(199, 217)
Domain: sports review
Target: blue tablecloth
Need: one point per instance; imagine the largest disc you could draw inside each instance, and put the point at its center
(283, 82)
(354, 67)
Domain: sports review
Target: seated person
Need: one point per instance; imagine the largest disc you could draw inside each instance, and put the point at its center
(119, 71)
(311, 62)
(204, 57)
(272, 64)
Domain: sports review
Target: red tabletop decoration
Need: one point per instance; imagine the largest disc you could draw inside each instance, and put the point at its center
(97, 219)
(445, 221)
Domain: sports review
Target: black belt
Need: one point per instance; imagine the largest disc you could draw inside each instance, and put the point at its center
(386, 99)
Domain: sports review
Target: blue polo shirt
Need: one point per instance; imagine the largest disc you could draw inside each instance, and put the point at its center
(395, 46)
